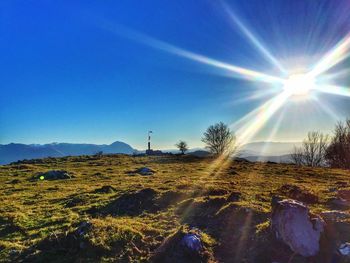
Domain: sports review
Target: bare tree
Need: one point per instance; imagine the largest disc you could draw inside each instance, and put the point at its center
(338, 152)
(219, 139)
(182, 146)
(297, 156)
(313, 150)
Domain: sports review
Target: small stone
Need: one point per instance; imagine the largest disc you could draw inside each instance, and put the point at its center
(344, 249)
(83, 228)
(145, 171)
(192, 242)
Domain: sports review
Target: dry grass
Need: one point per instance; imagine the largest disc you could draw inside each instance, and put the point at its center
(37, 218)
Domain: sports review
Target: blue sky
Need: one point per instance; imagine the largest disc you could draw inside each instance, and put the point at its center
(68, 73)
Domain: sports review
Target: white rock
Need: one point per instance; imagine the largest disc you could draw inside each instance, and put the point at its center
(292, 223)
(344, 249)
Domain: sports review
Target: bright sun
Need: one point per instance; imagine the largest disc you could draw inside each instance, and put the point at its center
(299, 84)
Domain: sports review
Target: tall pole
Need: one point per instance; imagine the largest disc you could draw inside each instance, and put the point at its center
(149, 140)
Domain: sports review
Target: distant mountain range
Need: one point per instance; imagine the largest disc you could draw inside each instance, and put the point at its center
(268, 148)
(256, 151)
(16, 151)
(278, 152)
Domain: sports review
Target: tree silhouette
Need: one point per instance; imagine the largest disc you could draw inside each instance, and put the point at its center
(219, 139)
(182, 146)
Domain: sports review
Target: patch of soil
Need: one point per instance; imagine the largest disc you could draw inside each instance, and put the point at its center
(344, 194)
(7, 226)
(74, 201)
(169, 198)
(234, 227)
(131, 204)
(341, 184)
(217, 192)
(298, 193)
(200, 212)
(106, 189)
(76, 246)
(14, 181)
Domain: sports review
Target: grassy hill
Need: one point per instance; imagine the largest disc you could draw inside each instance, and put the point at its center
(107, 212)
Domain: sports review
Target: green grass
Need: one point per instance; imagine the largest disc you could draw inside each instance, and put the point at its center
(37, 218)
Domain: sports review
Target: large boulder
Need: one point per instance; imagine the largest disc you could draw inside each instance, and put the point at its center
(293, 224)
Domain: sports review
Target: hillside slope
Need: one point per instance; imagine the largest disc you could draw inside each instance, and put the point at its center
(16, 151)
(106, 211)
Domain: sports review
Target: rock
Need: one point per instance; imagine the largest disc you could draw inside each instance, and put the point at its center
(53, 175)
(192, 242)
(145, 171)
(293, 224)
(344, 249)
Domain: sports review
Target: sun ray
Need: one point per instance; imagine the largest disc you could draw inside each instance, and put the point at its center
(243, 28)
(333, 57)
(237, 71)
(344, 73)
(273, 132)
(333, 89)
(263, 114)
(325, 108)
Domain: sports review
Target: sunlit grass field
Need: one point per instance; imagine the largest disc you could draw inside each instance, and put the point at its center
(131, 215)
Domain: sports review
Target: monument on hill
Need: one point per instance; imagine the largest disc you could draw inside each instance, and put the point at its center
(149, 151)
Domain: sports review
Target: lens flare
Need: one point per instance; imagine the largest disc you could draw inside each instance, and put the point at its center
(292, 86)
(333, 57)
(253, 39)
(299, 84)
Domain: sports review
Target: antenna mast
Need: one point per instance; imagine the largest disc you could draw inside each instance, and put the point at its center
(149, 140)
